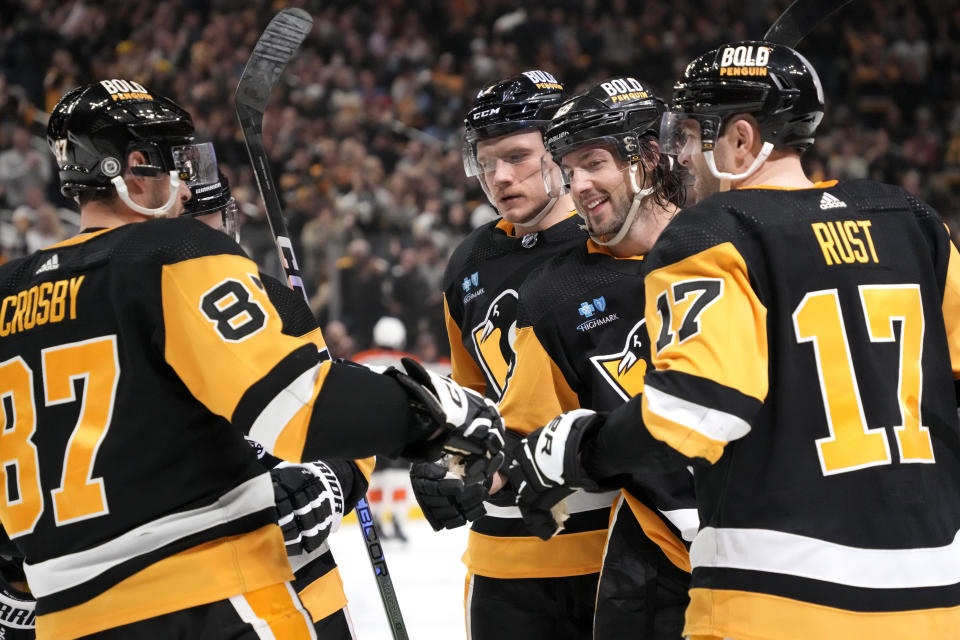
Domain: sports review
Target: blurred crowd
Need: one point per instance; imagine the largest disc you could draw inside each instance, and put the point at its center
(364, 131)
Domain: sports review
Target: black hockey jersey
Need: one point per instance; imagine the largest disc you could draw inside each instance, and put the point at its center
(806, 343)
(480, 290)
(123, 353)
(481, 293)
(582, 339)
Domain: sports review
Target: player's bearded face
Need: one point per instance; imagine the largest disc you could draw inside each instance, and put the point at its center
(691, 157)
(510, 174)
(600, 187)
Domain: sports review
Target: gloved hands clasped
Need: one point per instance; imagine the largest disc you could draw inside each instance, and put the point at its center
(446, 502)
(461, 422)
(548, 469)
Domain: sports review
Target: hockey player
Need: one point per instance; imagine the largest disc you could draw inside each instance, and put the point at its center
(312, 498)
(805, 350)
(134, 359)
(518, 586)
(581, 338)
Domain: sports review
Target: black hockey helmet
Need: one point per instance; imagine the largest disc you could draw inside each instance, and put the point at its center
(620, 111)
(525, 101)
(623, 114)
(94, 128)
(772, 82)
(215, 198)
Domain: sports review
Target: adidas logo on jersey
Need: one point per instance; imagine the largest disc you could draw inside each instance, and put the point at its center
(53, 262)
(828, 201)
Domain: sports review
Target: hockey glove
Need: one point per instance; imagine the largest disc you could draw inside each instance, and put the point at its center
(310, 503)
(446, 502)
(472, 429)
(548, 469)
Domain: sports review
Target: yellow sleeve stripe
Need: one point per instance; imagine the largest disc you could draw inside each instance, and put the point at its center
(365, 465)
(688, 441)
(703, 339)
(316, 337)
(282, 425)
(465, 371)
(217, 372)
(951, 309)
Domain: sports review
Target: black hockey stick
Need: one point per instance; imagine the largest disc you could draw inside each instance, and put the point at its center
(799, 19)
(275, 48)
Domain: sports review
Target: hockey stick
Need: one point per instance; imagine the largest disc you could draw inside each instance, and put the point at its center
(275, 48)
(799, 19)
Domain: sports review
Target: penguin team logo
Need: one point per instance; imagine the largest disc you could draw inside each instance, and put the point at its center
(494, 339)
(624, 370)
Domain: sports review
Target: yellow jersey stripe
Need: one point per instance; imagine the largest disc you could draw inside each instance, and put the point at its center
(658, 532)
(746, 616)
(65, 572)
(530, 557)
(206, 573)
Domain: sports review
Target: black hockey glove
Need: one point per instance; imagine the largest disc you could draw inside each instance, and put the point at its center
(446, 502)
(472, 426)
(548, 469)
(310, 503)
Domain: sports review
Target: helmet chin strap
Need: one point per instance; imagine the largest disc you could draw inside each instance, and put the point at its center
(547, 208)
(726, 178)
(638, 196)
(121, 188)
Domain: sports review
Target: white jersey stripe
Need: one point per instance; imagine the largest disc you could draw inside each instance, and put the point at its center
(805, 557)
(577, 502)
(308, 619)
(714, 424)
(74, 569)
(686, 520)
(246, 613)
(273, 419)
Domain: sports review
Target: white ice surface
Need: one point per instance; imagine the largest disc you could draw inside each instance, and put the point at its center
(427, 574)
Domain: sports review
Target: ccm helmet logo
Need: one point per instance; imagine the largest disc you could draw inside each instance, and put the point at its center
(485, 113)
(745, 56)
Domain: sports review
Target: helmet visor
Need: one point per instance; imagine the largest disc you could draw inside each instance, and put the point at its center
(477, 164)
(552, 178)
(588, 162)
(196, 163)
(688, 133)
